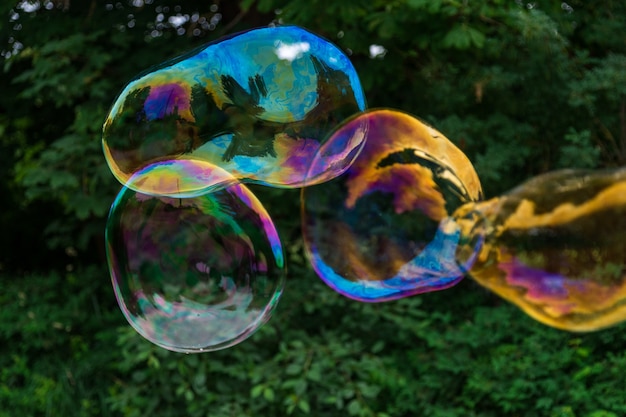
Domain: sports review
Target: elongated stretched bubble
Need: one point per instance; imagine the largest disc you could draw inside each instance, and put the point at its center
(381, 230)
(194, 274)
(258, 104)
(556, 247)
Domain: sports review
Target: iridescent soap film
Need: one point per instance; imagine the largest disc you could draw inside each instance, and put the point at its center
(556, 247)
(258, 104)
(381, 231)
(194, 274)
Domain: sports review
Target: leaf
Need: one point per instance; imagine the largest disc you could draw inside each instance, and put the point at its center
(245, 5)
(268, 394)
(256, 391)
(378, 346)
(266, 6)
(456, 38)
(63, 179)
(432, 6)
(477, 37)
(354, 407)
(463, 37)
(304, 406)
(293, 369)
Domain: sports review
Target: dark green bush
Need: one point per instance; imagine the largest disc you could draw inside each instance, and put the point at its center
(56, 338)
(522, 88)
(461, 352)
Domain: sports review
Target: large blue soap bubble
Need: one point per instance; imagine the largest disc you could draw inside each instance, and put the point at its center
(258, 104)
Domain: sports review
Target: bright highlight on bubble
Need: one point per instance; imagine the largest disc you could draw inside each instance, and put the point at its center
(258, 104)
(381, 231)
(194, 274)
(556, 248)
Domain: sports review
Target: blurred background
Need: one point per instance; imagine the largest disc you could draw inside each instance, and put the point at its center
(522, 88)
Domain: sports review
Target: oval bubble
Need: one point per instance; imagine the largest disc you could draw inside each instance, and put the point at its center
(258, 104)
(381, 231)
(556, 248)
(194, 274)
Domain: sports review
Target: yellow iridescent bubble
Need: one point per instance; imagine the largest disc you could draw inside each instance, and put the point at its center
(556, 247)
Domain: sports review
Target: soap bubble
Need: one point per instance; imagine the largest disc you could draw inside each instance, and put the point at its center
(338, 153)
(194, 274)
(556, 247)
(258, 104)
(381, 231)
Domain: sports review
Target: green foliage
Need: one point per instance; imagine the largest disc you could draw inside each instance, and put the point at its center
(455, 353)
(520, 88)
(434, 355)
(604, 87)
(54, 333)
(579, 151)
